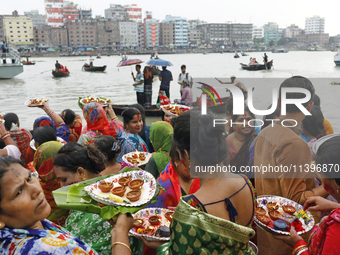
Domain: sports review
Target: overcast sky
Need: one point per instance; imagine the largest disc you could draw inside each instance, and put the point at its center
(257, 12)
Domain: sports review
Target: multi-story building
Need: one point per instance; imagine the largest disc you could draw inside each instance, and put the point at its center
(42, 37)
(292, 31)
(82, 33)
(70, 12)
(195, 37)
(180, 30)
(54, 12)
(272, 32)
(85, 14)
(193, 23)
(216, 34)
(336, 39)
(128, 34)
(2, 29)
(166, 34)
(134, 13)
(108, 33)
(141, 36)
(258, 32)
(19, 30)
(241, 34)
(151, 33)
(116, 12)
(59, 36)
(313, 39)
(37, 19)
(315, 25)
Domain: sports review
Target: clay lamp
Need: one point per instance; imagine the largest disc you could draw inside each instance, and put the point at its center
(273, 206)
(124, 181)
(260, 211)
(154, 220)
(265, 219)
(289, 209)
(118, 191)
(274, 215)
(105, 186)
(136, 184)
(169, 215)
(137, 223)
(134, 195)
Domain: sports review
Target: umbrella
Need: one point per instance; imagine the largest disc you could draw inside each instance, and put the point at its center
(129, 62)
(159, 62)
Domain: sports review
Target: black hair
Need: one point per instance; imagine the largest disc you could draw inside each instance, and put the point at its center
(183, 66)
(313, 124)
(44, 134)
(142, 112)
(9, 119)
(109, 146)
(129, 114)
(329, 153)
(174, 155)
(139, 66)
(297, 82)
(246, 109)
(2, 144)
(73, 155)
(196, 134)
(5, 163)
(316, 100)
(68, 116)
(163, 67)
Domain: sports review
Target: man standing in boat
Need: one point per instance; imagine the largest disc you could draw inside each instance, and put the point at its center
(237, 83)
(265, 58)
(184, 75)
(57, 66)
(139, 85)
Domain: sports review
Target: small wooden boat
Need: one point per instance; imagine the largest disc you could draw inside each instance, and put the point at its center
(257, 67)
(119, 108)
(88, 68)
(28, 63)
(60, 74)
(236, 55)
(244, 54)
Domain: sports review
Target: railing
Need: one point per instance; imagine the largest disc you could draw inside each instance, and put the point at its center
(12, 54)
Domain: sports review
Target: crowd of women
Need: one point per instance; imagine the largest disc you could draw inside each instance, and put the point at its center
(212, 215)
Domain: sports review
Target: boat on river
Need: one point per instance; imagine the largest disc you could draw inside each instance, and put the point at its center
(60, 73)
(10, 64)
(279, 51)
(337, 57)
(88, 68)
(257, 67)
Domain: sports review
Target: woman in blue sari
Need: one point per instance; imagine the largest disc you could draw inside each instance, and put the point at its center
(129, 138)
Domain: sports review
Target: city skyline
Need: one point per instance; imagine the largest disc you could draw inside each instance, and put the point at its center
(256, 12)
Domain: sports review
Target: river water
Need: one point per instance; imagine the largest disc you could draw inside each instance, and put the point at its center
(114, 83)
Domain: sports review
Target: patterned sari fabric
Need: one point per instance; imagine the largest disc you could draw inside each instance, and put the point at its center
(91, 229)
(148, 88)
(50, 240)
(43, 163)
(168, 179)
(76, 130)
(97, 124)
(196, 232)
(161, 139)
(130, 143)
(23, 138)
(62, 130)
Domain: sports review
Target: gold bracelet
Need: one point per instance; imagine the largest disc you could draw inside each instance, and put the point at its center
(299, 248)
(124, 244)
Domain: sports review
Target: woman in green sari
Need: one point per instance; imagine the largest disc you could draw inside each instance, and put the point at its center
(161, 138)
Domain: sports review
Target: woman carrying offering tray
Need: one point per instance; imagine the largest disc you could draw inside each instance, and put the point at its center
(129, 138)
(325, 235)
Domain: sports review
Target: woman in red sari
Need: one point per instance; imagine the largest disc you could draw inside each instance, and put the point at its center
(74, 124)
(325, 235)
(21, 136)
(98, 124)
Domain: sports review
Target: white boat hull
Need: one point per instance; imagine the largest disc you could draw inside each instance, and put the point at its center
(8, 71)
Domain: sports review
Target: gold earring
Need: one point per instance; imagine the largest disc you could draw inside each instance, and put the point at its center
(337, 191)
(2, 225)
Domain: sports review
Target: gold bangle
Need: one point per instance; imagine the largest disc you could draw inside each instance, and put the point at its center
(299, 248)
(124, 244)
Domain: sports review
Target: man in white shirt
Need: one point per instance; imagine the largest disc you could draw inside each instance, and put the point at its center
(184, 75)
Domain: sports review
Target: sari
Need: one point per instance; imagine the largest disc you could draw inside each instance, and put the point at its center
(52, 240)
(92, 229)
(130, 143)
(43, 163)
(76, 129)
(97, 124)
(168, 179)
(62, 130)
(148, 87)
(161, 139)
(196, 232)
(22, 138)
